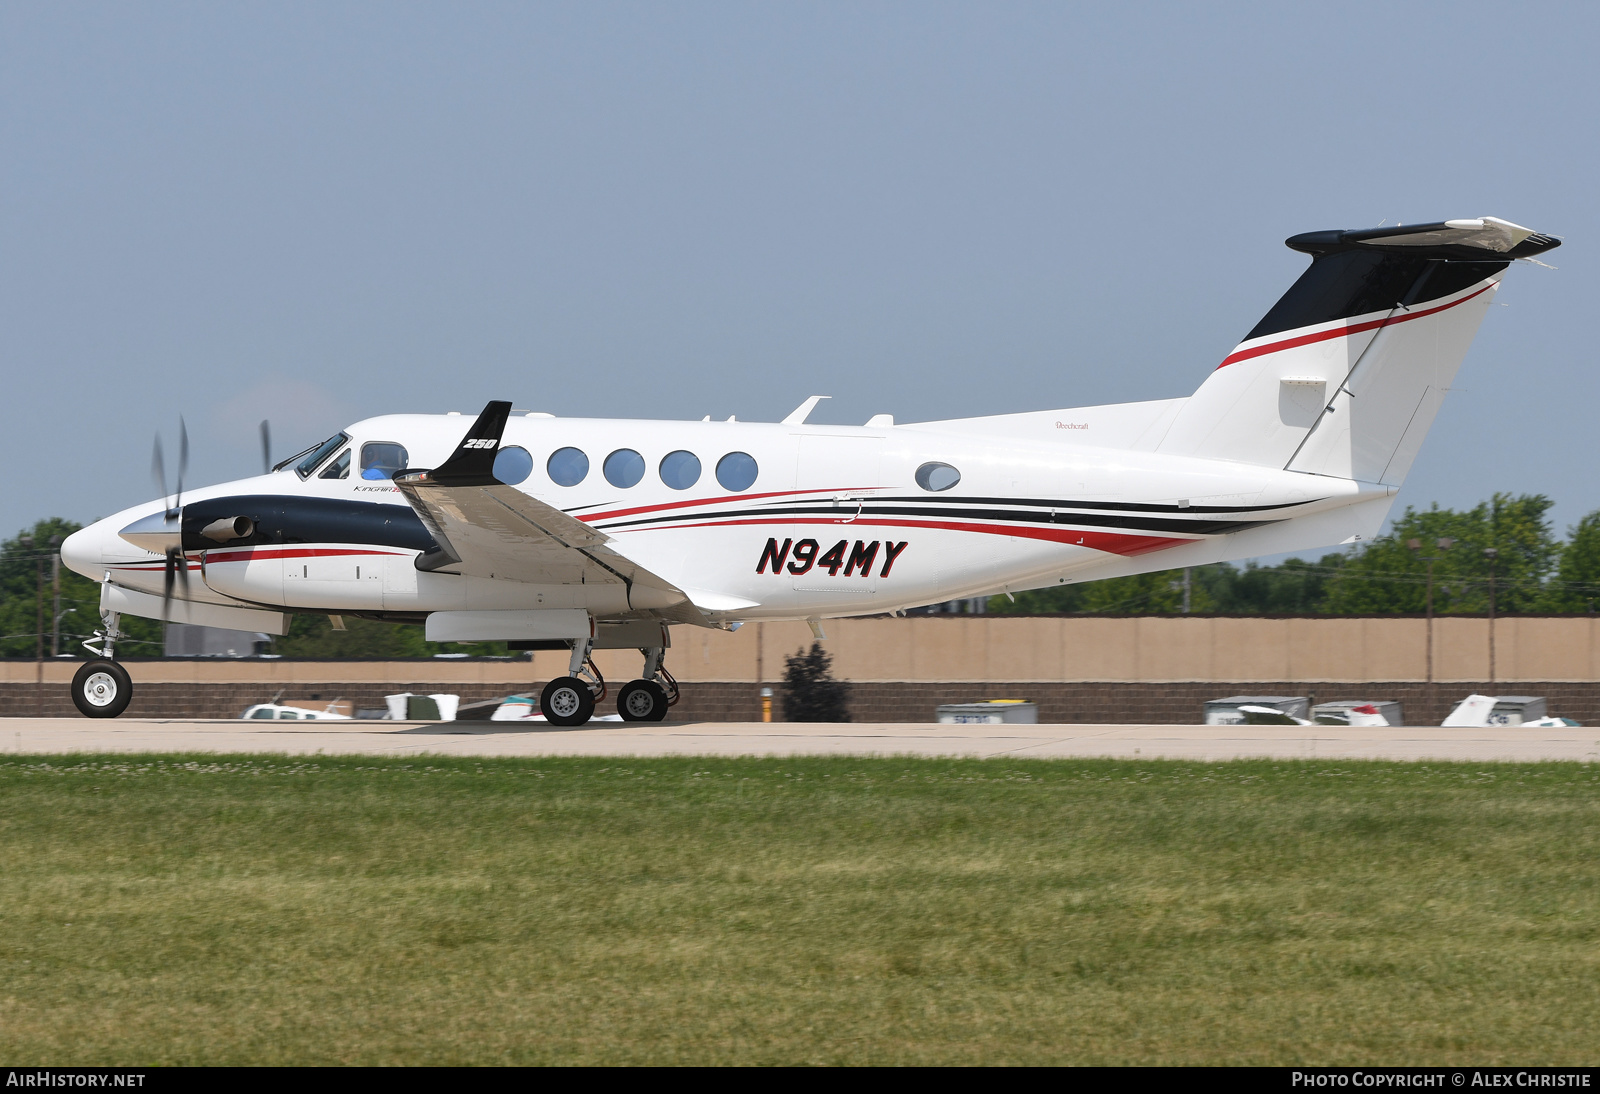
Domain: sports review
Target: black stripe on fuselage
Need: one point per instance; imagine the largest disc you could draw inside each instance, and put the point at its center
(846, 510)
(1036, 503)
(1113, 506)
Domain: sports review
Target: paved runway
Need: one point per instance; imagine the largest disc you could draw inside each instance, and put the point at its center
(1508, 743)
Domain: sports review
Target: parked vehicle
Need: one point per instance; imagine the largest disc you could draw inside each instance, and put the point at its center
(282, 713)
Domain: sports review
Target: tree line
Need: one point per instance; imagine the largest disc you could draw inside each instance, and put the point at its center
(1505, 544)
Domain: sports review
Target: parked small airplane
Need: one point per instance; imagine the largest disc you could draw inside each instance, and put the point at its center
(583, 534)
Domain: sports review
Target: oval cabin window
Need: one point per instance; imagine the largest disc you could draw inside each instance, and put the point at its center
(937, 476)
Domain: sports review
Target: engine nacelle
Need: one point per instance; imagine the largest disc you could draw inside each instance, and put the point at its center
(228, 529)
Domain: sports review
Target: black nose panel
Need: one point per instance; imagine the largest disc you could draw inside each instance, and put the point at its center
(283, 519)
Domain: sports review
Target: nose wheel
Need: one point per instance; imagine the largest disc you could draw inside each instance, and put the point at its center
(101, 689)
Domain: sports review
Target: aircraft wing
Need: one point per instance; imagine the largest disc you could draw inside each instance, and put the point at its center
(485, 528)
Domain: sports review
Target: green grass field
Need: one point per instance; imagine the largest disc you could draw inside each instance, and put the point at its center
(829, 910)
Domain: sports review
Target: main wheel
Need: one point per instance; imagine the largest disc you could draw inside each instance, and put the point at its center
(642, 701)
(566, 701)
(101, 689)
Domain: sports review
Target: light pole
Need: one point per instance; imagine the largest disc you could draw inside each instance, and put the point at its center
(38, 636)
(55, 596)
(1491, 554)
(1443, 544)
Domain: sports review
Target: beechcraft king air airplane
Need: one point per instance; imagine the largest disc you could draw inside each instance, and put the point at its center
(588, 534)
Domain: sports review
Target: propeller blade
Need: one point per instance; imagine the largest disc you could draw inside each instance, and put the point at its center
(266, 447)
(183, 460)
(177, 573)
(166, 591)
(158, 469)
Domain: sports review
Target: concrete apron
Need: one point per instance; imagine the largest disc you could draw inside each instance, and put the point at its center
(1149, 742)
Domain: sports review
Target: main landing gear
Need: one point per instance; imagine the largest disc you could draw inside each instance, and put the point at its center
(570, 700)
(102, 688)
(646, 699)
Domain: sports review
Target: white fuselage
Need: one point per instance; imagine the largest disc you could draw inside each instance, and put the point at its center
(1043, 498)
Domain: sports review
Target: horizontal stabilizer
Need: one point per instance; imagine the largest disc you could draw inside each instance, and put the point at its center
(1343, 376)
(1458, 240)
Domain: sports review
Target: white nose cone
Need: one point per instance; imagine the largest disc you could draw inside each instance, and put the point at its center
(82, 554)
(158, 532)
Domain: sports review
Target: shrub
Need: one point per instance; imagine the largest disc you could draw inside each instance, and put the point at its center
(810, 693)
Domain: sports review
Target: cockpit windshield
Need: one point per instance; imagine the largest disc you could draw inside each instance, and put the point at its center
(313, 456)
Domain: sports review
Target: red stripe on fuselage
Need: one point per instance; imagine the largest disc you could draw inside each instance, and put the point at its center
(592, 517)
(256, 554)
(1114, 543)
(1341, 332)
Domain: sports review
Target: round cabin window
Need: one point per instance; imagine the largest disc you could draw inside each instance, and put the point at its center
(680, 470)
(624, 468)
(737, 471)
(567, 466)
(512, 465)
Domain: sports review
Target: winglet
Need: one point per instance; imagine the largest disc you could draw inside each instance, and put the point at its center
(472, 463)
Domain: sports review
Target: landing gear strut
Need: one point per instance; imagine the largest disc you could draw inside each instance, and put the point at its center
(647, 699)
(570, 700)
(102, 688)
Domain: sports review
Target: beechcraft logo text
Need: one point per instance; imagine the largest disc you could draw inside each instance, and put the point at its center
(856, 561)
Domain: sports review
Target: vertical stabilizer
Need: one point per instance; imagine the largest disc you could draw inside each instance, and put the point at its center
(1346, 372)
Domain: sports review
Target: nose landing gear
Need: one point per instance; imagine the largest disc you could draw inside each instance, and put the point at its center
(102, 688)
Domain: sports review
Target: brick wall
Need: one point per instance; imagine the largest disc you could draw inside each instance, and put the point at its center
(1165, 703)
(1159, 704)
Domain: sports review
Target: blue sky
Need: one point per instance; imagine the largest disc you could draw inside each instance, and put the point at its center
(319, 212)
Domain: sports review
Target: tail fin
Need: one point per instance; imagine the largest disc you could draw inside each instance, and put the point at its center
(1345, 374)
